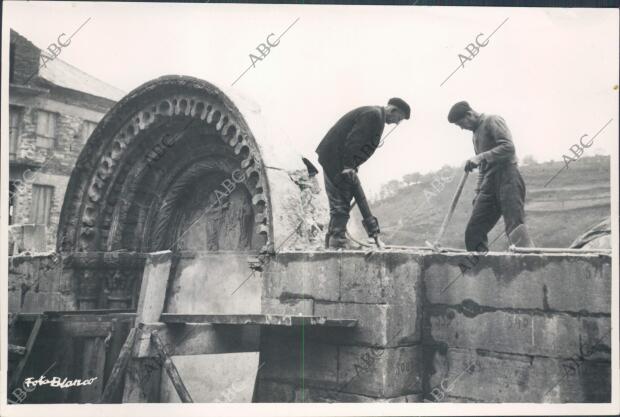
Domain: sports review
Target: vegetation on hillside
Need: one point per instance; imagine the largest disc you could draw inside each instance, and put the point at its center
(411, 211)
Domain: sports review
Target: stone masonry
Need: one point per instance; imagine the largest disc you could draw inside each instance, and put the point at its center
(516, 328)
(32, 91)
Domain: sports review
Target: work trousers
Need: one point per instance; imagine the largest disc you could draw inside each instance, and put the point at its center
(502, 193)
(339, 195)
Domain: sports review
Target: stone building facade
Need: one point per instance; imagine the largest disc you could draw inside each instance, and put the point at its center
(53, 109)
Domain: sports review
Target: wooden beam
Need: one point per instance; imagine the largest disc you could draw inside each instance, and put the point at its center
(171, 369)
(93, 366)
(75, 316)
(153, 288)
(29, 345)
(257, 319)
(584, 251)
(201, 339)
(85, 329)
(105, 260)
(138, 384)
(119, 368)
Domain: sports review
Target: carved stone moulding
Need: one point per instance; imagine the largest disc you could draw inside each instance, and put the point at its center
(109, 163)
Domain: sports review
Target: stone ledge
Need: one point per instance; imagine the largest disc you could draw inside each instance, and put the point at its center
(559, 282)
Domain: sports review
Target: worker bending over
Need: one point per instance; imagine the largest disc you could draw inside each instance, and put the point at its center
(346, 146)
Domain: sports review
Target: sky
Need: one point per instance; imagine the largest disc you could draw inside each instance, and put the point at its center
(552, 74)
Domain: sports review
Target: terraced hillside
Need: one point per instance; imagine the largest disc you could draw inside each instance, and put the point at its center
(575, 200)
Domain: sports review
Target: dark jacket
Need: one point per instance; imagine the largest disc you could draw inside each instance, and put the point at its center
(492, 139)
(352, 140)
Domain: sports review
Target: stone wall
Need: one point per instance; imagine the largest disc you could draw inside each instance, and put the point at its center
(380, 360)
(439, 327)
(431, 327)
(39, 283)
(77, 281)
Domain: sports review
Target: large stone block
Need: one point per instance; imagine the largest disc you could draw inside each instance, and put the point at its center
(490, 377)
(378, 324)
(274, 392)
(49, 274)
(216, 378)
(553, 335)
(314, 275)
(378, 372)
(214, 283)
(15, 300)
(38, 302)
(559, 282)
(380, 277)
(293, 359)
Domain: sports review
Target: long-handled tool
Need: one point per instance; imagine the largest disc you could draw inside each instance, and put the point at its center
(370, 222)
(446, 220)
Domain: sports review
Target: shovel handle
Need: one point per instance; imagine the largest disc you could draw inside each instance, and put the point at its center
(455, 200)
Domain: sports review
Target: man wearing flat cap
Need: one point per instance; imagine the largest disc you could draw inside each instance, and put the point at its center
(346, 146)
(500, 190)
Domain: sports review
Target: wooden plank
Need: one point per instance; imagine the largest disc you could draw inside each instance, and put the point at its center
(86, 329)
(583, 251)
(19, 370)
(171, 370)
(105, 260)
(153, 287)
(119, 368)
(257, 319)
(138, 385)
(201, 338)
(47, 316)
(93, 365)
(99, 312)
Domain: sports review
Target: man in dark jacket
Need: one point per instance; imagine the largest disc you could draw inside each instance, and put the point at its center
(500, 190)
(347, 145)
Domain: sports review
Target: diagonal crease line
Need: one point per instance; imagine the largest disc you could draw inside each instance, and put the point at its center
(566, 165)
(350, 380)
(555, 175)
(193, 223)
(444, 81)
(388, 134)
(48, 369)
(250, 275)
(80, 28)
(242, 74)
(251, 65)
(457, 68)
(70, 37)
(461, 274)
(502, 24)
(286, 30)
(276, 251)
(562, 379)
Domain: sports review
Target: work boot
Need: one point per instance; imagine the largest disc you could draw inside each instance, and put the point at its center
(336, 236)
(340, 241)
(520, 237)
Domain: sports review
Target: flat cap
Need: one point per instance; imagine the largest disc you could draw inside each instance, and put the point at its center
(401, 105)
(458, 111)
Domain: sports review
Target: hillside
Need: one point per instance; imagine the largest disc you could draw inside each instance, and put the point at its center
(577, 199)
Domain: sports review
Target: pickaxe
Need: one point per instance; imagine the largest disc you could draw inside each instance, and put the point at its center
(446, 220)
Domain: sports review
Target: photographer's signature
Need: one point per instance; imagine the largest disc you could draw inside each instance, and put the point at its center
(57, 382)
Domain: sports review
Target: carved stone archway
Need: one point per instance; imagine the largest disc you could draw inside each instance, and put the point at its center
(154, 145)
